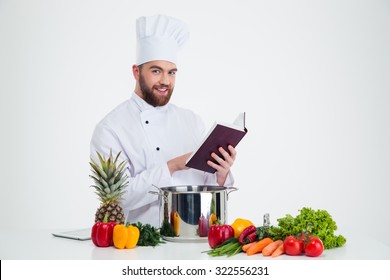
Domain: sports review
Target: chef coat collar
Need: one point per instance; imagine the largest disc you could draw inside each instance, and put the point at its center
(144, 106)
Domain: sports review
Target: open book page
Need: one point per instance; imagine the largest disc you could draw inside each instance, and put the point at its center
(220, 135)
(240, 120)
(238, 124)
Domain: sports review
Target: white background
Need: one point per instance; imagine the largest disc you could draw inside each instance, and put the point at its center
(312, 76)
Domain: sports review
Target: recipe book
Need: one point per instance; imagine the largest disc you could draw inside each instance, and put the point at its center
(220, 135)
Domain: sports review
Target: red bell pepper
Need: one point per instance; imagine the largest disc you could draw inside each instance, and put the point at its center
(102, 233)
(248, 235)
(219, 234)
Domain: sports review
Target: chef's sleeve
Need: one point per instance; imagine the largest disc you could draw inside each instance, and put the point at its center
(137, 192)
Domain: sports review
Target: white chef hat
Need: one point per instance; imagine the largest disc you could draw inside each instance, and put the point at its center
(159, 37)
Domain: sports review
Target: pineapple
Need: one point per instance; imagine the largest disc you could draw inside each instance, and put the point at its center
(110, 183)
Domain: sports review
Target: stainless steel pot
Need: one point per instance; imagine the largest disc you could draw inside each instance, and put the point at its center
(186, 212)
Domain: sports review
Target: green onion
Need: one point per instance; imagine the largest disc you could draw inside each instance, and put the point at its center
(228, 248)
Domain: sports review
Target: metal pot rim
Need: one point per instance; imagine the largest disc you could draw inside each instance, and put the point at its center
(184, 189)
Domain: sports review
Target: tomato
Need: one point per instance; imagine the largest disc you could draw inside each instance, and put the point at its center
(293, 246)
(314, 247)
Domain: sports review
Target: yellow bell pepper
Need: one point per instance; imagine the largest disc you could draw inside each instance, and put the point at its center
(125, 236)
(213, 219)
(239, 225)
(176, 223)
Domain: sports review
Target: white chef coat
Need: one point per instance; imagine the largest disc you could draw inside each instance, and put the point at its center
(148, 137)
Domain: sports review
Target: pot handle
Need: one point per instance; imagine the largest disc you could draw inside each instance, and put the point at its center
(158, 192)
(153, 192)
(229, 190)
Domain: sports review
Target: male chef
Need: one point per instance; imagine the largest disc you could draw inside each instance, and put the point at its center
(156, 137)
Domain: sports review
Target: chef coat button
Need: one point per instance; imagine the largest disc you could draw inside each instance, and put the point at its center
(146, 122)
(158, 148)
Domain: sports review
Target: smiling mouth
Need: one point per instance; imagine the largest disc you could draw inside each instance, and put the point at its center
(162, 91)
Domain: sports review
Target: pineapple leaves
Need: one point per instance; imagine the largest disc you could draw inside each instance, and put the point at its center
(116, 159)
(121, 166)
(102, 161)
(119, 184)
(110, 180)
(119, 172)
(110, 166)
(98, 170)
(100, 183)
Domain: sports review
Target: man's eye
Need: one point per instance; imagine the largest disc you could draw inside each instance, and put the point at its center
(156, 71)
(172, 73)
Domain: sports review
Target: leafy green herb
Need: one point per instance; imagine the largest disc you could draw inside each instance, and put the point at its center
(149, 235)
(167, 229)
(262, 232)
(318, 223)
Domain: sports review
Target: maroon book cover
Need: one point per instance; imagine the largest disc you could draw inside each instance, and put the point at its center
(221, 135)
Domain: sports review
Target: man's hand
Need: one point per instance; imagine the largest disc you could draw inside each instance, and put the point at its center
(224, 164)
(178, 163)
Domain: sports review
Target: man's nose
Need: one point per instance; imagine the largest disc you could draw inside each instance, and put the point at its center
(165, 79)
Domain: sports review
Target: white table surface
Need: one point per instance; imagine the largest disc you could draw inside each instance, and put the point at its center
(41, 245)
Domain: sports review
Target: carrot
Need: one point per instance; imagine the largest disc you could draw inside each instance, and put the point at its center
(278, 251)
(247, 246)
(270, 248)
(258, 246)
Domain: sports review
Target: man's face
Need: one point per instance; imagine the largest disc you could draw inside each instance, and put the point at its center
(156, 81)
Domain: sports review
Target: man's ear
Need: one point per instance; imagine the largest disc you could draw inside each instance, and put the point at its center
(136, 72)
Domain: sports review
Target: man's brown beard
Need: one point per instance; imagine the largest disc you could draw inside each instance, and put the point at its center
(150, 97)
